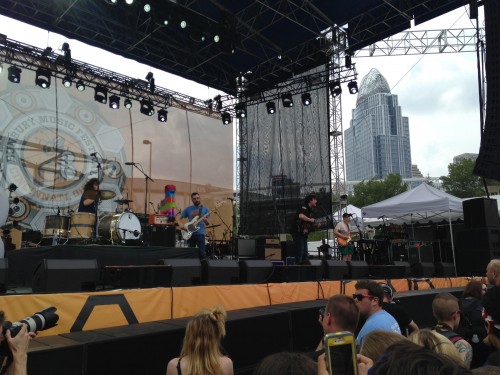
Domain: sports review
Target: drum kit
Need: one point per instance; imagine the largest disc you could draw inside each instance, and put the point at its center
(121, 227)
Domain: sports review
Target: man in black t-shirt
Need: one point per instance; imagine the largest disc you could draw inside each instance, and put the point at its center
(405, 322)
(303, 224)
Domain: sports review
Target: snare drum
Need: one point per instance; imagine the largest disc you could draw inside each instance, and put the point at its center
(120, 228)
(82, 225)
(56, 226)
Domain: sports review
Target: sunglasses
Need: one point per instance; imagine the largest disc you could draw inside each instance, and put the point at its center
(360, 297)
(322, 312)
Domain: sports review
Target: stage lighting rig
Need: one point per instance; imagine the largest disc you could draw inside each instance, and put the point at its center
(101, 94)
(14, 74)
(67, 81)
(80, 86)
(335, 88)
(287, 100)
(147, 108)
(241, 110)
(114, 102)
(226, 118)
(127, 103)
(162, 115)
(271, 107)
(353, 87)
(306, 99)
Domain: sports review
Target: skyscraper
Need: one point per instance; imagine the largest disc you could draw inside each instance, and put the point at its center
(378, 140)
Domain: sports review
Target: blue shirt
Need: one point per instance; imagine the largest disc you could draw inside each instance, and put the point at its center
(380, 320)
(191, 212)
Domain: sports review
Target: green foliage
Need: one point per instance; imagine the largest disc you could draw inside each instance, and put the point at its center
(373, 191)
(460, 181)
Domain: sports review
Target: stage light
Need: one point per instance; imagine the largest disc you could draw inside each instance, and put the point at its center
(100, 95)
(129, 2)
(271, 107)
(14, 74)
(306, 98)
(127, 103)
(241, 110)
(335, 88)
(287, 100)
(226, 118)
(183, 24)
(43, 77)
(353, 87)
(114, 102)
(67, 81)
(147, 8)
(147, 108)
(217, 38)
(162, 115)
(80, 86)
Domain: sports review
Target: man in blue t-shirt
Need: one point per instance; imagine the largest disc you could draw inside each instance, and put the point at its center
(196, 227)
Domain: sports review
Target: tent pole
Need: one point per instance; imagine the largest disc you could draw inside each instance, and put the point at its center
(452, 243)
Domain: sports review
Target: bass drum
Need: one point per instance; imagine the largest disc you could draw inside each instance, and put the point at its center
(121, 228)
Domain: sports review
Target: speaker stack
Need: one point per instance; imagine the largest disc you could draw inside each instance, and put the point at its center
(65, 275)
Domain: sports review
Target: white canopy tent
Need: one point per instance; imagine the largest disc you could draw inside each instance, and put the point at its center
(421, 204)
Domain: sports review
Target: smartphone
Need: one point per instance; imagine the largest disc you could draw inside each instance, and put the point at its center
(340, 353)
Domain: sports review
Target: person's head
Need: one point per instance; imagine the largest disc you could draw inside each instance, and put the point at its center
(195, 197)
(376, 343)
(285, 363)
(491, 314)
(341, 314)
(202, 341)
(474, 289)
(436, 342)
(493, 271)
(346, 217)
(388, 292)
(411, 359)
(368, 296)
(92, 184)
(445, 309)
(310, 200)
(486, 370)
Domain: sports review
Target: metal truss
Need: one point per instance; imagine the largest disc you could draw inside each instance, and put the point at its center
(425, 41)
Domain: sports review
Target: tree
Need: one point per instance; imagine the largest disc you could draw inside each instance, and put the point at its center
(460, 181)
(373, 191)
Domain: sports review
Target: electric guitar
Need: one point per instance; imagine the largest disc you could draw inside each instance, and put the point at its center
(343, 241)
(192, 226)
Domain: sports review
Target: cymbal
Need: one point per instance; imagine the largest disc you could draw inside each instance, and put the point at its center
(123, 201)
(212, 226)
(104, 194)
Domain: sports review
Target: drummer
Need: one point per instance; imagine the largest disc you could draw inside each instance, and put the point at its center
(89, 204)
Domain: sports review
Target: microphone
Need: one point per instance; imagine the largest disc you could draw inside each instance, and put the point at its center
(93, 154)
(129, 163)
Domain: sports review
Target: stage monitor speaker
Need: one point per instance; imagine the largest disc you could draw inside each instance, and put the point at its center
(143, 276)
(445, 269)
(388, 271)
(481, 212)
(319, 267)
(220, 272)
(185, 272)
(406, 266)
(336, 269)
(423, 269)
(4, 267)
(158, 235)
(358, 269)
(65, 275)
(255, 271)
(246, 248)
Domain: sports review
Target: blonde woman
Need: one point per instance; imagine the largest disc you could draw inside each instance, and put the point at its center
(201, 351)
(437, 343)
(376, 343)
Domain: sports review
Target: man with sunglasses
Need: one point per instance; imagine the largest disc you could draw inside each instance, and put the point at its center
(369, 296)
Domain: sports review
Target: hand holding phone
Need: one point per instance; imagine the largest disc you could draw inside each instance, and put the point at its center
(340, 353)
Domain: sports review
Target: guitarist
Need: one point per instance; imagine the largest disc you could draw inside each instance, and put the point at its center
(197, 239)
(303, 224)
(343, 233)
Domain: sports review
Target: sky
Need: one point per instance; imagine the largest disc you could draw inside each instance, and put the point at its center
(437, 92)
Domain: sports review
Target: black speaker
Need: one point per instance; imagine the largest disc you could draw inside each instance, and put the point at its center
(388, 271)
(319, 267)
(475, 247)
(185, 272)
(423, 269)
(406, 266)
(336, 269)
(220, 272)
(421, 253)
(246, 248)
(358, 269)
(143, 276)
(65, 275)
(481, 212)
(156, 235)
(4, 267)
(255, 271)
(445, 269)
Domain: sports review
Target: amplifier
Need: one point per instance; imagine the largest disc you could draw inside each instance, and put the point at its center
(159, 220)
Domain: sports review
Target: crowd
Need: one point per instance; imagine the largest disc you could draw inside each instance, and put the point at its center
(464, 340)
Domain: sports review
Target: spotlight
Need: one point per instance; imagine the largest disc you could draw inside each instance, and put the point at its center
(127, 103)
(335, 88)
(287, 100)
(226, 118)
(129, 2)
(162, 115)
(101, 94)
(80, 86)
(306, 98)
(217, 38)
(14, 74)
(241, 110)
(114, 102)
(67, 81)
(147, 108)
(271, 107)
(147, 8)
(43, 78)
(183, 24)
(353, 87)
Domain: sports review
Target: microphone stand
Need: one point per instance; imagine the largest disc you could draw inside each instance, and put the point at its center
(146, 193)
(97, 199)
(230, 233)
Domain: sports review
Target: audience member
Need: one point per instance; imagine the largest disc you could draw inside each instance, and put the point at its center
(376, 343)
(447, 313)
(405, 322)
(493, 271)
(491, 315)
(285, 363)
(201, 351)
(437, 343)
(369, 296)
(471, 326)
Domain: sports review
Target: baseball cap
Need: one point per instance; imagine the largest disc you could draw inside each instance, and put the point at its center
(387, 289)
